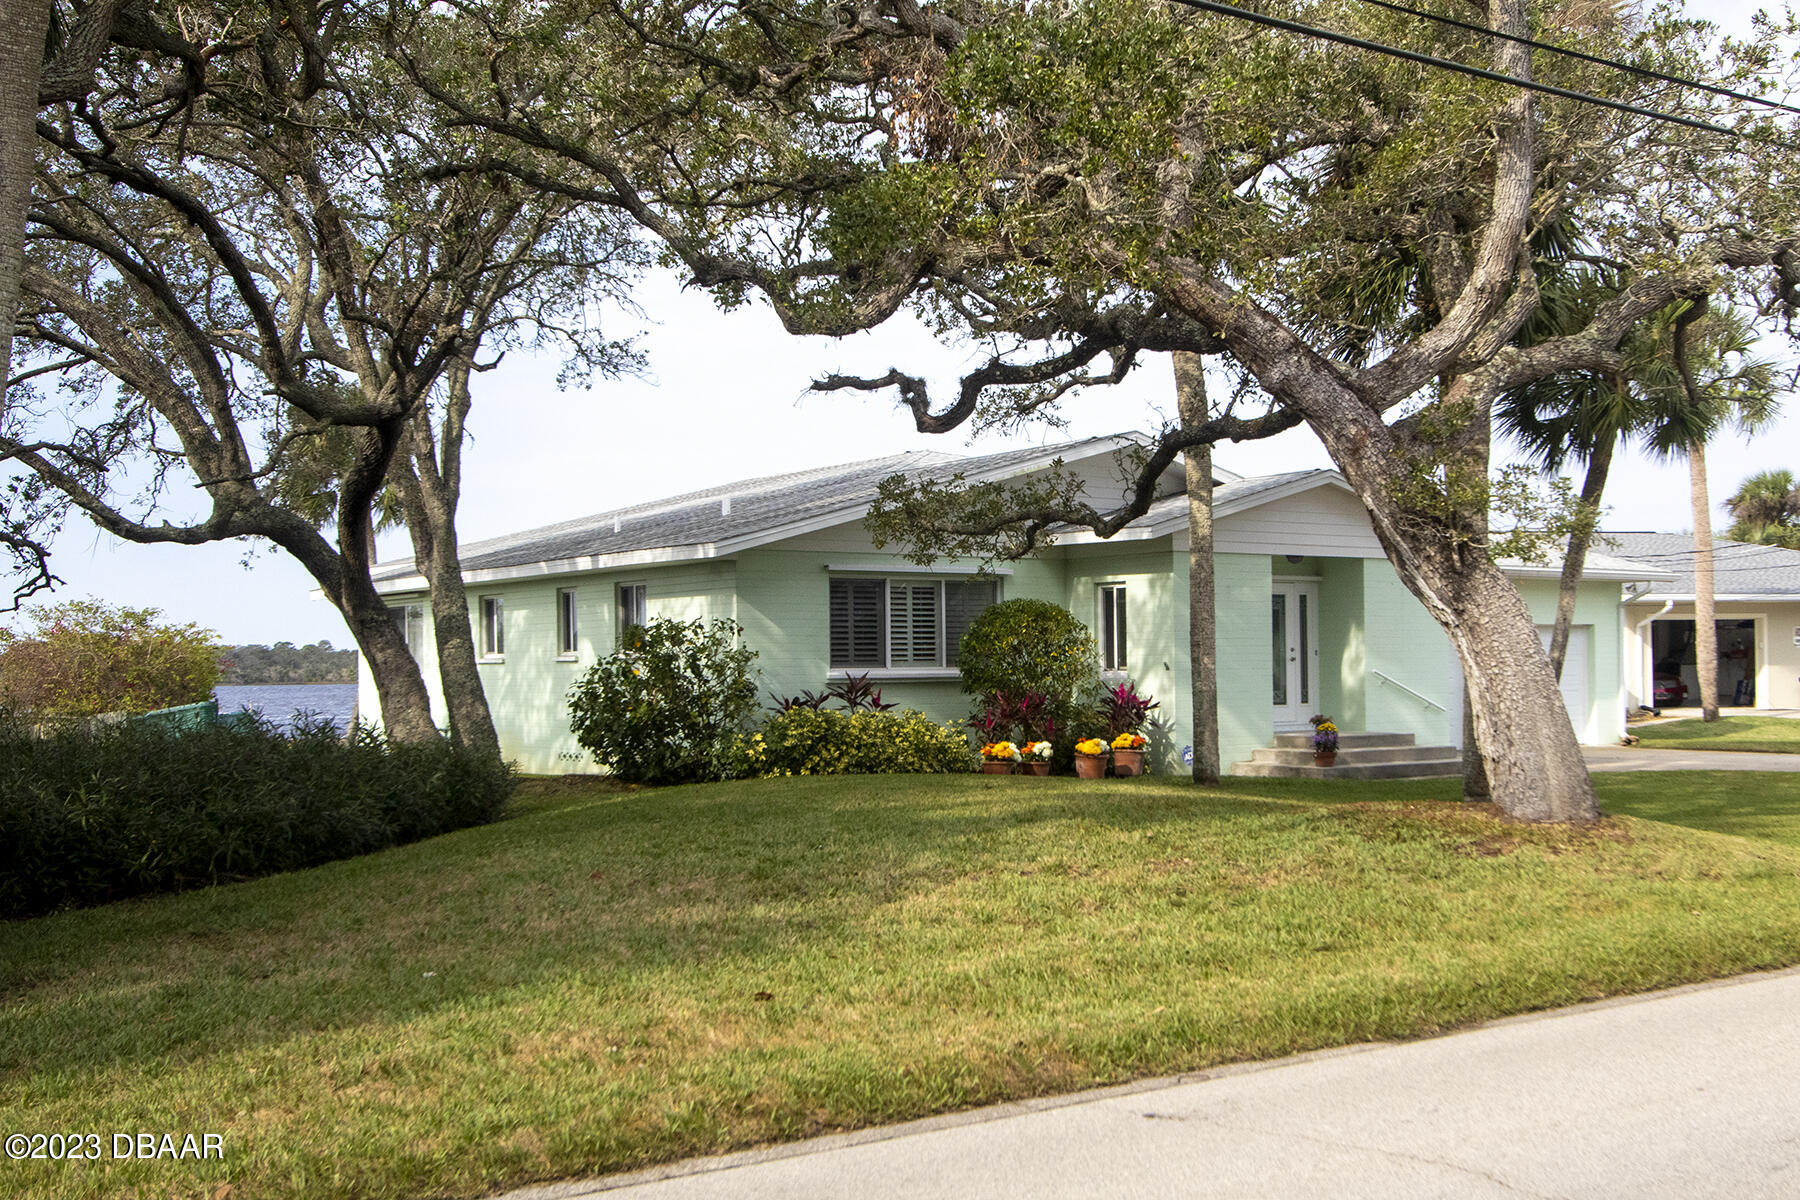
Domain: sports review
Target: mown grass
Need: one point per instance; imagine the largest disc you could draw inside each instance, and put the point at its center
(1769, 735)
(611, 979)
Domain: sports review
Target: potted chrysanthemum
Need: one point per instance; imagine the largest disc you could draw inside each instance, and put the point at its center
(999, 758)
(1034, 758)
(1325, 741)
(1090, 758)
(1128, 753)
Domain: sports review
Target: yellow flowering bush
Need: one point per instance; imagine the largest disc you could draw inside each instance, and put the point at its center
(1090, 746)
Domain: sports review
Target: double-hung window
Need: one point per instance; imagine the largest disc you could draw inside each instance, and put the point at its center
(566, 645)
(409, 619)
(634, 606)
(903, 623)
(1112, 627)
(493, 628)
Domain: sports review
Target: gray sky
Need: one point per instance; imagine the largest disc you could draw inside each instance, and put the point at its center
(726, 399)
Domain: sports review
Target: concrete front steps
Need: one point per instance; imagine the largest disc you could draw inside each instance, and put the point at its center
(1360, 756)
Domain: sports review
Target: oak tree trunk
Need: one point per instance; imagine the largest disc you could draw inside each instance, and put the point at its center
(471, 721)
(1575, 556)
(1190, 397)
(1706, 630)
(23, 26)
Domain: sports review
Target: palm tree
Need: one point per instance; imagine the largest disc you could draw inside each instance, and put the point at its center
(1766, 509)
(1719, 384)
(1580, 418)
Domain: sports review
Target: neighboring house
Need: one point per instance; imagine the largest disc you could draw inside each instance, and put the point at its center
(1756, 590)
(1311, 618)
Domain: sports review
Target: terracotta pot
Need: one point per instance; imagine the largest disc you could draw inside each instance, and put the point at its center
(1128, 762)
(990, 767)
(1090, 766)
(1034, 768)
(1325, 758)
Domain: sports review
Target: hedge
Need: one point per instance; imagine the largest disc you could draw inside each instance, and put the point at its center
(90, 816)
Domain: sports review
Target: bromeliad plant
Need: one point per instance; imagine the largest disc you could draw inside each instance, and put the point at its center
(1325, 735)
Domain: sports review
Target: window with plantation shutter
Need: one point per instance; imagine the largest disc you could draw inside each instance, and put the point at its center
(903, 623)
(913, 625)
(856, 620)
(964, 600)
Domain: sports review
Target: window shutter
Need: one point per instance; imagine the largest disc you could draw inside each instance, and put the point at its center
(856, 623)
(913, 624)
(964, 600)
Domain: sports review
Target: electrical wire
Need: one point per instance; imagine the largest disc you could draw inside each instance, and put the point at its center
(1450, 64)
(1615, 64)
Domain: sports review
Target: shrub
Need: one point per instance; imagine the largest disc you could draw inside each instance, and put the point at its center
(85, 658)
(89, 816)
(1022, 646)
(669, 705)
(806, 741)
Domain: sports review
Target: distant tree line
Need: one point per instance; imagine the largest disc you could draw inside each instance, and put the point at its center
(285, 662)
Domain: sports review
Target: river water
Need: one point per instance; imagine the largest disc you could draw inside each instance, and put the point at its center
(282, 702)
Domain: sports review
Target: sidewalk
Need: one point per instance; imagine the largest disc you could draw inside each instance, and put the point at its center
(1687, 1093)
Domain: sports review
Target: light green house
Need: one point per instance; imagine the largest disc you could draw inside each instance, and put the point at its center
(1311, 618)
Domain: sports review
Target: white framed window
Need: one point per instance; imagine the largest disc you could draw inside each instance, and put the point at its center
(879, 623)
(634, 606)
(493, 628)
(1112, 627)
(409, 619)
(566, 630)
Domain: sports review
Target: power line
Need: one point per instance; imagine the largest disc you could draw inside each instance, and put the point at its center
(1590, 58)
(1450, 64)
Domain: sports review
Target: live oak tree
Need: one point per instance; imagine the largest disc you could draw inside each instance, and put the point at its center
(224, 294)
(48, 55)
(1092, 181)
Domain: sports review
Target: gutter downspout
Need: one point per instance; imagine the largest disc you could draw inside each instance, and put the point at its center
(1645, 681)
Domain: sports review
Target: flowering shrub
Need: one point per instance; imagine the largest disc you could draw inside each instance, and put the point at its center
(1129, 741)
(1090, 746)
(1325, 735)
(805, 741)
(669, 705)
(1000, 752)
(1037, 751)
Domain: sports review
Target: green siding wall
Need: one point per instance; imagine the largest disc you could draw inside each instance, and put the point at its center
(1155, 630)
(1402, 642)
(1246, 697)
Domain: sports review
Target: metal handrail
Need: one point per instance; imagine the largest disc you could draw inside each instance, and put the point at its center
(1392, 682)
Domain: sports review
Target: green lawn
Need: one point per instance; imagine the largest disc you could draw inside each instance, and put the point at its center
(608, 980)
(1772, 735)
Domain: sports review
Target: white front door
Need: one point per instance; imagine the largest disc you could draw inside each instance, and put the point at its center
(1294, 652)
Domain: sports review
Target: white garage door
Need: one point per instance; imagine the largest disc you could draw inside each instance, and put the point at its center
(1575, 674)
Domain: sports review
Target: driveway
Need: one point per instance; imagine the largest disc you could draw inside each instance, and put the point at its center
(1638, 758)
(1689, 1093)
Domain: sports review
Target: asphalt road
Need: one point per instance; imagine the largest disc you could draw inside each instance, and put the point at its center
(1690, 1093)
(1638, 758)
